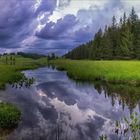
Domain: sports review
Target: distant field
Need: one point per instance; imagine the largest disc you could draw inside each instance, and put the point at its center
(107, 71)
(11, 72)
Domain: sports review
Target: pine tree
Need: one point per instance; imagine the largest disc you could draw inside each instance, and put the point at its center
(125, 41)
(137, 40)
(106, 50)
(121, 21)
(124, 19)
(118, 41)
(97, 43)
(133, 23)
(114, 35)
(133, 16)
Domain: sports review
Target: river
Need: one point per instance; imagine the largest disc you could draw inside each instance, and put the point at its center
(56, 107)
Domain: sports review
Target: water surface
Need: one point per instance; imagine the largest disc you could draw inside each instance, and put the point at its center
(58, 108)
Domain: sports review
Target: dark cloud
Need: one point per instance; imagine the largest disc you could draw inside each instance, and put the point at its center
(83, 34)
(13, 15)
(59, 29)
(19, 20)
(46, 5)
(44, 46)
(80, 28)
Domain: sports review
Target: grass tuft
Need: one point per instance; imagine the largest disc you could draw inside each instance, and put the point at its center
(9, 116)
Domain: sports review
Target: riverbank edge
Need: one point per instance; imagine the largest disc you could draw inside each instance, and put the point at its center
(60, 65)
(17, 72)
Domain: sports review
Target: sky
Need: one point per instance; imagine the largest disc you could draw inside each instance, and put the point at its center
(46, 26)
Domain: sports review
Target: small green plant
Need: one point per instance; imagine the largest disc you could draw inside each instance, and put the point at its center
(9, 116)
(129, 127)
(103, 137)
(24, 82)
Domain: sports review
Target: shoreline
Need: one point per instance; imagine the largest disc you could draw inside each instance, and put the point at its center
(103, 71)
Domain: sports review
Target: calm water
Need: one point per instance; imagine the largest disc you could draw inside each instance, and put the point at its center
(57, 108)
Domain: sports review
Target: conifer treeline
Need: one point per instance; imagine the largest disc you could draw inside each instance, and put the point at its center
(118, 41)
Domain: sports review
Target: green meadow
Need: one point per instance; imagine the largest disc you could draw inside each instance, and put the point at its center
(124, 72)
(10, 71)
(107, 71)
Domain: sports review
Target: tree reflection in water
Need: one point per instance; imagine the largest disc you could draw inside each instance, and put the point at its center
(126, 95)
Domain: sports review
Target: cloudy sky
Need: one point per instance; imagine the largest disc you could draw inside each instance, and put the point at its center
(46, 26)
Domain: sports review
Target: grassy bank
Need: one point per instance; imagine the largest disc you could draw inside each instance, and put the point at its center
(125, 72)
(9, 116)
(10, 70)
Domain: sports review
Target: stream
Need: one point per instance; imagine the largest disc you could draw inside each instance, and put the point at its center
(56, 107)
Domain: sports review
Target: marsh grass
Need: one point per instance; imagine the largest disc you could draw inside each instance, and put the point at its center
(125, 72)
(11, 73)
(9, 116)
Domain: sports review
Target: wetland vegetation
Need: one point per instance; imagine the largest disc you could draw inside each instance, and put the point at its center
(116, 72)
(9, 116)
(12, 65)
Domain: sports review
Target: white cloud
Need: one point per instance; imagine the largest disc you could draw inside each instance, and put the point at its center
(74, 6)
(36, 5)
(26, 43)
(128, 4)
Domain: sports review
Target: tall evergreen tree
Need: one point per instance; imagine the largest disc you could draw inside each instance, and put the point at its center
(114, 35)
(137, 40)
(124, 19)
(125, 41)
(118, 41)
(133, 16)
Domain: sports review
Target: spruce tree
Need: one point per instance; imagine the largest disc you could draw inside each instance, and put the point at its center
(125, 41)
(137, 40)
(118, 41)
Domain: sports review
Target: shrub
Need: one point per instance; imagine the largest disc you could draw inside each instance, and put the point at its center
(9, 116)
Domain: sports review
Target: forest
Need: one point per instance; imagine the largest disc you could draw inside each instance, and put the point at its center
(120, 40)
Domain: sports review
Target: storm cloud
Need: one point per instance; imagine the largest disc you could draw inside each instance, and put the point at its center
(56, 26)
(14, 15)
(18, 19)
(59, 29)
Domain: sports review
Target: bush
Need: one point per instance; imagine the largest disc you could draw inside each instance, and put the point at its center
(9, 116)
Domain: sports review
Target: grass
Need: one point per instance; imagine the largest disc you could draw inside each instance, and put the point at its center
(9, 116)
(106, 71)
(11, 73)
